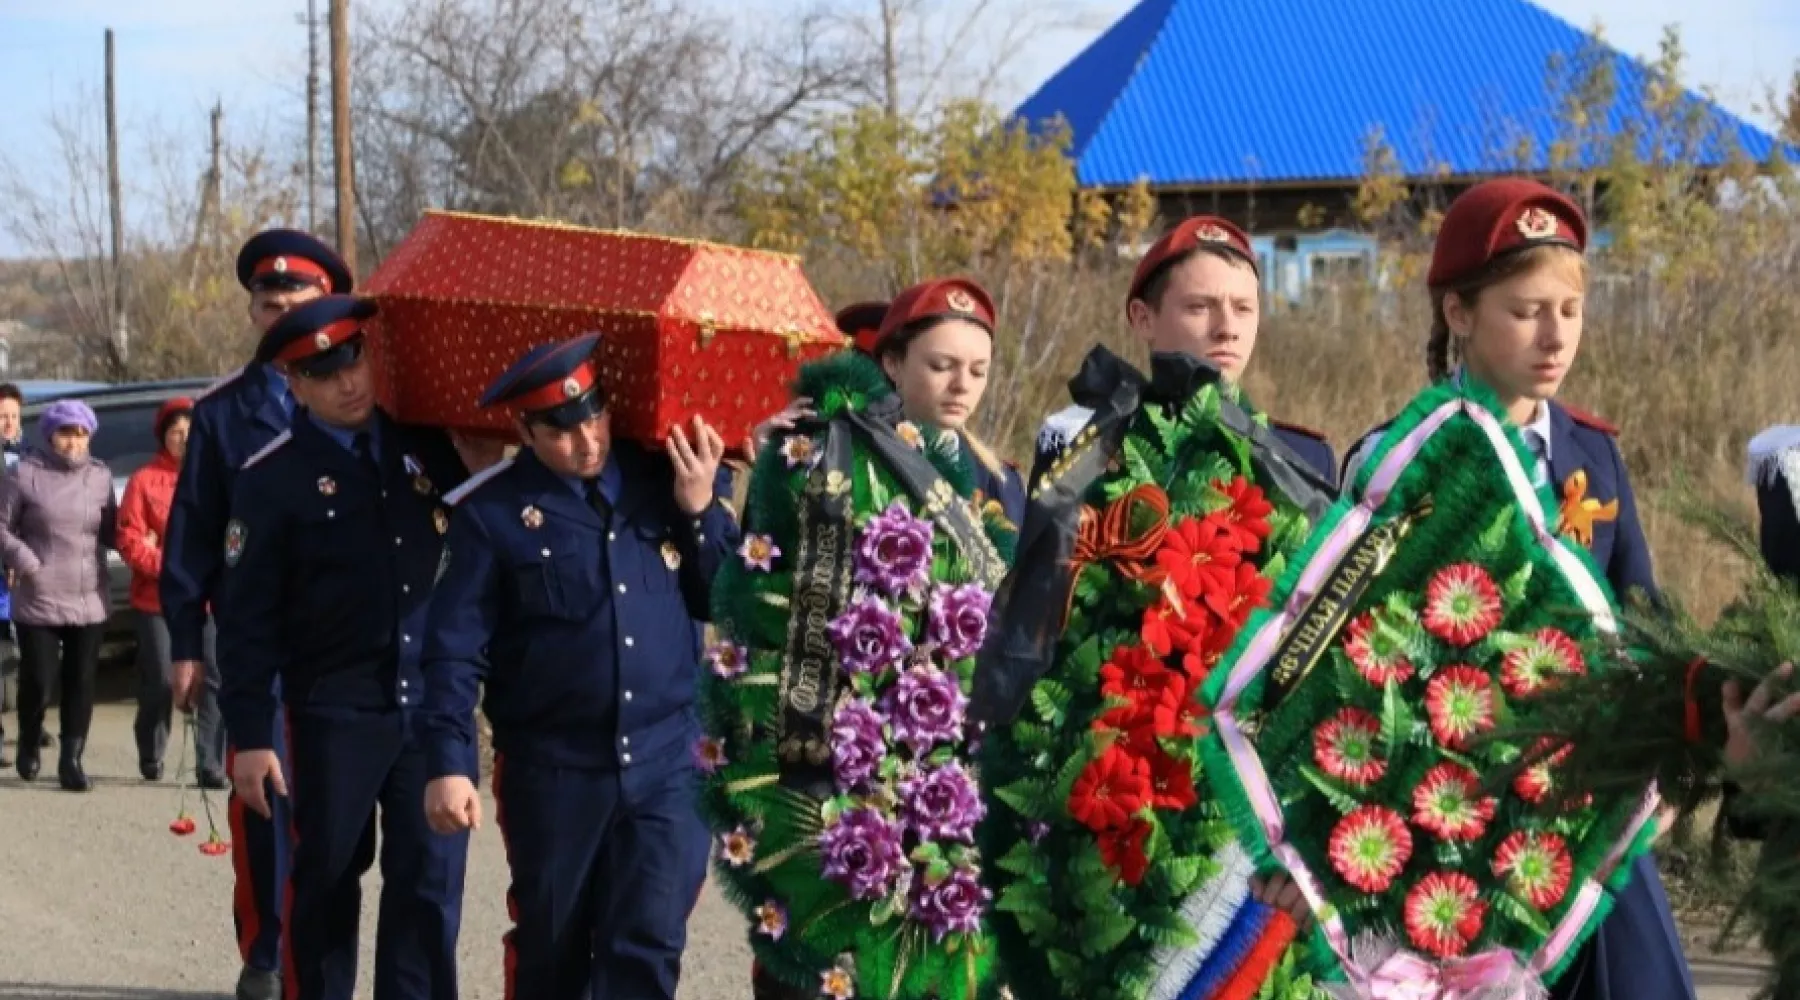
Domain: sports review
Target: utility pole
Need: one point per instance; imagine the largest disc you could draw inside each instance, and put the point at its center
(340, 131)
(312, 115)
(112, 197)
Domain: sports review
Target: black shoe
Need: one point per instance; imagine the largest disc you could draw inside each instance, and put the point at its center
(68, 768)
(152, 770)
(256, 984)
(27, 751)
(212, 782)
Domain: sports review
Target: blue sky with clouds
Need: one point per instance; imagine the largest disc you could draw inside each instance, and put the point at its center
(175, 57)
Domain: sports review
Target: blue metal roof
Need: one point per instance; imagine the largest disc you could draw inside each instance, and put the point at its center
(1229, 92)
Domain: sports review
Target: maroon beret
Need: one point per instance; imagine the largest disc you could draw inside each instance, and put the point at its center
(1191, 234)
(941, 298)
(861, 322)
(1497, 217)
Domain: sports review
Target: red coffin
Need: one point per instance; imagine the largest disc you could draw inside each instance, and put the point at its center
(688, 328)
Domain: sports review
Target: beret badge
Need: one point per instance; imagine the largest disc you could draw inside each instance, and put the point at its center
(1537, 223)
(1210, 233)
(960, 301)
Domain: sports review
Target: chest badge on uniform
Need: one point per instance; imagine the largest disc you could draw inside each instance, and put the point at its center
(671, 556)
(327, 486)
(235, 534)
(532, 517)
(441, 520)
(1581, 512)
(421, 484)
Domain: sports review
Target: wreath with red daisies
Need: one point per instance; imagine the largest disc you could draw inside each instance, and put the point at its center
(1432, 617)
(1117, 875)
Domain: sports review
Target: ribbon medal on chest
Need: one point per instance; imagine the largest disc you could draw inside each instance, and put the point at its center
(420, 482)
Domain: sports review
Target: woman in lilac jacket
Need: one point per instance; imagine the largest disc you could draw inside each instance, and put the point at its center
(57, 519)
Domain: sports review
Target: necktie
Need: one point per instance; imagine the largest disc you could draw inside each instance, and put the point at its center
(598, 501)
(365, 453)
(1540, 469)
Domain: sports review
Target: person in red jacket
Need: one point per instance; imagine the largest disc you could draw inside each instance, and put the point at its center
(143, 521)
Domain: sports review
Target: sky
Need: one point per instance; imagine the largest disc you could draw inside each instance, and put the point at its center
(176, 57)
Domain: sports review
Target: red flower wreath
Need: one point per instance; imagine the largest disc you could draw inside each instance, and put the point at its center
(1536, 866)
(1369, 848)
(1462, 605)
(1344, 747)
(1449, 805)
(1460, 703)
(1198, 558)
(1376, 654)
(1443, 913)
(1113, 788)
(1123, 851)
(1246, 522)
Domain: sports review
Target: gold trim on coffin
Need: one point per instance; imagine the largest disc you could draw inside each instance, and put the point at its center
(569, 227)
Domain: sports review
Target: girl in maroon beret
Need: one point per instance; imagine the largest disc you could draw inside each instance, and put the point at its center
(1508, 282)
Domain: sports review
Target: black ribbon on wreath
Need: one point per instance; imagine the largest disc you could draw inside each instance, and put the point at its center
(1029, 610)
(811, 682)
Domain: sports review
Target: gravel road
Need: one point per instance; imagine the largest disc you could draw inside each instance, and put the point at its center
(99, 902)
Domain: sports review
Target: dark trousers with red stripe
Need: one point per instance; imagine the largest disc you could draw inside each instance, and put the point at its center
(260, 856)
(605, 869)
(352, 767)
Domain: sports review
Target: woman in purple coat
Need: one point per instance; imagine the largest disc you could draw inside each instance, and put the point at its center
(57, 518)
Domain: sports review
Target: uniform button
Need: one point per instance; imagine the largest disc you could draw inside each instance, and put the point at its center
(406, 588)
(626, 758)
(612, 536)
(624, 741)
(330, 514)
(403, 684)
(621, 588)
(402, 699)
(628, 696)
(630, 642)
(546, 553)
(406, 638)
(396, 539)
(702, 538)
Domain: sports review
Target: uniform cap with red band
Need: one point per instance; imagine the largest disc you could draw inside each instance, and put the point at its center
(317, 338)
(942, 298)
(862, 324)
(1498, 217)
(555, 384)
(1189, 235)
(288, 259)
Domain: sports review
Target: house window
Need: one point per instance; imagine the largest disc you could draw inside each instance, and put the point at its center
(1332, 269)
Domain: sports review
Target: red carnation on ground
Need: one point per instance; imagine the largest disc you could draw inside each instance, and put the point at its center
(1171, 782)
(1376, 652)
(1449, 805)
(1113, 787)
(1536, 867)
(1460, 703)
(215, 846)
(1249, 591)
(183, 825)
(1123, 851)
(1246, 522)
(1462, 605)
(1538, 661)
(1443, 913)
(1198, 558)
(1369, 847)
(1344, 747)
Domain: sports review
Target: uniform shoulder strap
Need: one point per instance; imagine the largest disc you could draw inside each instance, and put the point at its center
(474, 482)
(1768, 450)
(1061, 428)
(1300, 429)
(269, 449)
(1590, 421)
(221, 383)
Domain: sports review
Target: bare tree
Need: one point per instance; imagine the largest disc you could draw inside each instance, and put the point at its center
(604, 112)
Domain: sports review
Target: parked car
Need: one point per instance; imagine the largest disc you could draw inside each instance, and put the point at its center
(125, 441)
